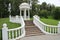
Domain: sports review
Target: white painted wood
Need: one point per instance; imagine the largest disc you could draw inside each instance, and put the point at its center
(4, 32)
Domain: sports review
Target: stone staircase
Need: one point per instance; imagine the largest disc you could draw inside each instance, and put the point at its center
(33, 33)
(31, 29)
(29, 23)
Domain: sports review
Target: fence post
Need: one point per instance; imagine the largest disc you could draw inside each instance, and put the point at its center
(59, 27)
(4, 32)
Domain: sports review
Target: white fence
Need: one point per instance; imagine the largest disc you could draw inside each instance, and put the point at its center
(47, 29)
(14, 19)
(16, 33)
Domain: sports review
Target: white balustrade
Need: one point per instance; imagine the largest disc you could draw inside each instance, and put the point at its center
(13, 34)
(59, 27)
(47, 29)
(14, 19)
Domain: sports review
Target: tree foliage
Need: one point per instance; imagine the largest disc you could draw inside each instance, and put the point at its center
(43, 10)
(3, 8)
(56, 13)
(43, 13)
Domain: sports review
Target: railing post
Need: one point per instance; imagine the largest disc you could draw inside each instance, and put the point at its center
(59, 27)
(4, 32)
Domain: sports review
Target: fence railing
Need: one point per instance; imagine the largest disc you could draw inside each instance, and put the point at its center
(13, 34)
(47, 29)
(14, 19)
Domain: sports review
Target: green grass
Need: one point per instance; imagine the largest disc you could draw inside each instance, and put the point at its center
(9, 25)
(50, 21)
(31, 18)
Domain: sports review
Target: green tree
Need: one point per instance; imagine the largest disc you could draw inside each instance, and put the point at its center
(15, 5)
(56, 13)
(34, 7)
(43, 13)
(43, 6)
(3, 8)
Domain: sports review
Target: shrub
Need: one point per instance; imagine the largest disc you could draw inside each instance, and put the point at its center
(43, 13)
(56, 13)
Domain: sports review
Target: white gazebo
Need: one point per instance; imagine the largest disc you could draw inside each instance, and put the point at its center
(25, 7)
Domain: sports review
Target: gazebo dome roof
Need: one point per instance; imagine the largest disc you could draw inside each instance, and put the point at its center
(24, 5)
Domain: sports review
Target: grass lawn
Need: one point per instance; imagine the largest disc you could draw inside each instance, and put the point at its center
(9, 25)
(50, 21)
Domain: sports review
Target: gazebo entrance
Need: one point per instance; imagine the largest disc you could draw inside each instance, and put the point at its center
(24, 11)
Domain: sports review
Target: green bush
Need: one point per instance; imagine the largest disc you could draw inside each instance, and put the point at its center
(56, 13)
(43, 13)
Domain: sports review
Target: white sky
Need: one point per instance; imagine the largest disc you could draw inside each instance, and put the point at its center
(55, 2)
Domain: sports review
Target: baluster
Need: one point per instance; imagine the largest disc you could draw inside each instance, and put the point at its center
(53, 29)
(9, 35)
(50, 29)
(16, 33)
(46, 29)
(12, 34)
(43, 26)
(56, 30)
(19, 32)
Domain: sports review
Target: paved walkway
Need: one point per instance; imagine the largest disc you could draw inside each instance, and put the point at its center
(42, 37)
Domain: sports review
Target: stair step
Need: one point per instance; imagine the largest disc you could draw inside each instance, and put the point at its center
(31, 29)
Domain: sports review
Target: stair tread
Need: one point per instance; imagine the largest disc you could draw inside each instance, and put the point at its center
(31, 29)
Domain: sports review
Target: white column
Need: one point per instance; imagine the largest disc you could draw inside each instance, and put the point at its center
(4, 32)
(59, 27)
(20, 12)
(28, 14)
(25, 14)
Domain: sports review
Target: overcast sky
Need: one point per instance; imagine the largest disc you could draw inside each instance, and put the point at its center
(55, 2)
